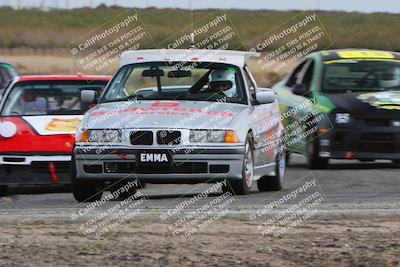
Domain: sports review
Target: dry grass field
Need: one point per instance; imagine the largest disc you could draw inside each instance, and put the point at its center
(36, 41)
(34, 28)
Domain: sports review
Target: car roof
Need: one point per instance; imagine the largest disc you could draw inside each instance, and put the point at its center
(26, 78)
(6, 63)
(357, 53)
(237, 58)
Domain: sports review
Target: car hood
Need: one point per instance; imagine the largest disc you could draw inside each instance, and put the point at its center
(162, 114)
(53, 124)
(382, 104)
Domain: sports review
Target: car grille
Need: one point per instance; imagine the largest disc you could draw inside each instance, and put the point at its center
(378, 143)
(39, 166)
(166, 137)
(179, 167)
(141, 138)
(377, 123)
(96, 168)
(12, 159)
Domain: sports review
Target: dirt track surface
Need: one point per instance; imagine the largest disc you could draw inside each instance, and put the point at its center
(325, 242)
(357, 224)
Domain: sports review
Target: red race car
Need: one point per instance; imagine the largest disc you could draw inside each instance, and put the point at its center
(39, 115)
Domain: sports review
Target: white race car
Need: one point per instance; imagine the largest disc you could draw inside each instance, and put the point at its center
(180, 116)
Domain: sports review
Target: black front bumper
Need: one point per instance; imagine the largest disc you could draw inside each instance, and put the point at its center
(35, 174)
(361, 143)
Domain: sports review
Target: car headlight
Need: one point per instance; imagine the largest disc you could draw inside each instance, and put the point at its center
(342, 118)
(103, 136)
(8, 129)
(213, 136)
(198, 136)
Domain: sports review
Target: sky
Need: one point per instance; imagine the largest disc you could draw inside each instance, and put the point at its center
(366, 6)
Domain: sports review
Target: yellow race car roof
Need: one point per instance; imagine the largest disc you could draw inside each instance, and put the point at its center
(365, 54)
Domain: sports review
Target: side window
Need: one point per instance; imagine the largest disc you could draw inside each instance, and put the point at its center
(308, 74)
(293, 79)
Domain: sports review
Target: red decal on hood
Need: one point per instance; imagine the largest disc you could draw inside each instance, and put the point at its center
(161, 108)
(165, 104)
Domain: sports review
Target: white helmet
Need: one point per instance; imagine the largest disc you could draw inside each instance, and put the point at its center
(390, 78)
(224, 76)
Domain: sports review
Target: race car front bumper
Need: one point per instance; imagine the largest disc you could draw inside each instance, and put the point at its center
(365, 143)
(20, 169)
(187, 165)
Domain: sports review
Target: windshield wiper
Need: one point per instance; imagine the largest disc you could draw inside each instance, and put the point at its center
(131, 97)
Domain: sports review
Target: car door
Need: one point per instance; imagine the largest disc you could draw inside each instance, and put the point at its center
(263, 125)
(295, 105)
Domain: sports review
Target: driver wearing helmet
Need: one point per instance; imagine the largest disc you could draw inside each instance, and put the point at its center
(221, 81)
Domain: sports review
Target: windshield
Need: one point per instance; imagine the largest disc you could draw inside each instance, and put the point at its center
(361, 75)
(49, 98)
(176, 81)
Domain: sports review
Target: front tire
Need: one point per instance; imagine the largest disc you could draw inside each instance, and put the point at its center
(287, 158)
(243, 186)
(274, 182)
(314, 161)
(84, 190)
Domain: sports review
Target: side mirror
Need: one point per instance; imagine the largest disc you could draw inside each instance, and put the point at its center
(88, 96)
(299, 89)
(265, 97)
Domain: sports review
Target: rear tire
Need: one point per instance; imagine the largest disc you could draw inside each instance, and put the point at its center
(314, 161)
(243, 186)
(84, 190)
(274, 182)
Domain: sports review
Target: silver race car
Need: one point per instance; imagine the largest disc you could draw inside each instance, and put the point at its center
(180, 116)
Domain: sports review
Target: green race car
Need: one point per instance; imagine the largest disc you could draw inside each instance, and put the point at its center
(342, 104)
